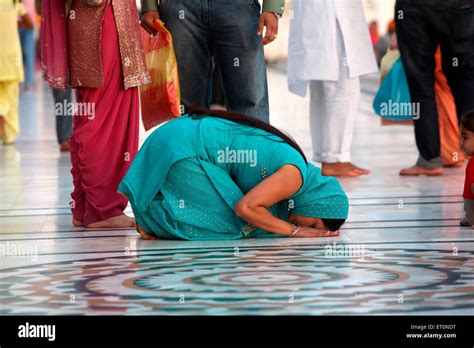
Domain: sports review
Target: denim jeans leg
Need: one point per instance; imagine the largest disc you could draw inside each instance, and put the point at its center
(186, 21)
(418, 44)
(234, 27)
(63, 121)
(27, 37)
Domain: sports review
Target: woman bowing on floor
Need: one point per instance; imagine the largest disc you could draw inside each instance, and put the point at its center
(102, 51)
(223, 175)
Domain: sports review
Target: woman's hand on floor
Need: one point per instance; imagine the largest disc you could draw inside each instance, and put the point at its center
(308, 232)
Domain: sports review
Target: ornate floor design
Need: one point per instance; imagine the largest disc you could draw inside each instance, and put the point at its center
(253, 280)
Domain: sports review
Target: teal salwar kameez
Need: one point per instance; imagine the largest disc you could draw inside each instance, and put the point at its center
(191, 172)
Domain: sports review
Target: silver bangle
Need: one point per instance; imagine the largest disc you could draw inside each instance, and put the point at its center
(294, 230)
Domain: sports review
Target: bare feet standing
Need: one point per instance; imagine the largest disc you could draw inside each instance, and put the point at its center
(417, 171)
(121, 221)
(343, 170)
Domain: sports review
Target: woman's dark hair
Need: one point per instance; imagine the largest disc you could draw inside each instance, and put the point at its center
(333, 224)
(240, 118)
(467, 121)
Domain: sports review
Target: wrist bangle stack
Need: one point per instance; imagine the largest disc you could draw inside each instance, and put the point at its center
(294, 230)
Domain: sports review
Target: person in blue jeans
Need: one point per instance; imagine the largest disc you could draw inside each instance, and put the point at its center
(28, 45)
(27, 37)
(229, 30)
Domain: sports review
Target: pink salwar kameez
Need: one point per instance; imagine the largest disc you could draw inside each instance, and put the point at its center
(105, 141)
(106, 65)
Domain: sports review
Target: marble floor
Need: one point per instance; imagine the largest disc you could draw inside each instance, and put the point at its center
(401, 252)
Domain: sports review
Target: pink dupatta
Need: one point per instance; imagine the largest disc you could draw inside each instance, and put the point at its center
(54, 56)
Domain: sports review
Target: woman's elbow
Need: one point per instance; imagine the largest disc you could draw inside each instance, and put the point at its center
(242, 210)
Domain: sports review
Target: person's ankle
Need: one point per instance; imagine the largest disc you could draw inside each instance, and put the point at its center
(430, 168)
(432, 164)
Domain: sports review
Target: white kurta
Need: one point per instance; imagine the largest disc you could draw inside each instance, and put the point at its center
(333, 113)
(313, 52)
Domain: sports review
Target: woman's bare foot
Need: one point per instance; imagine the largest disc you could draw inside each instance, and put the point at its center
(121, 221)
(77, 223)
(417, 171)
(343, 170)
(144, 234)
